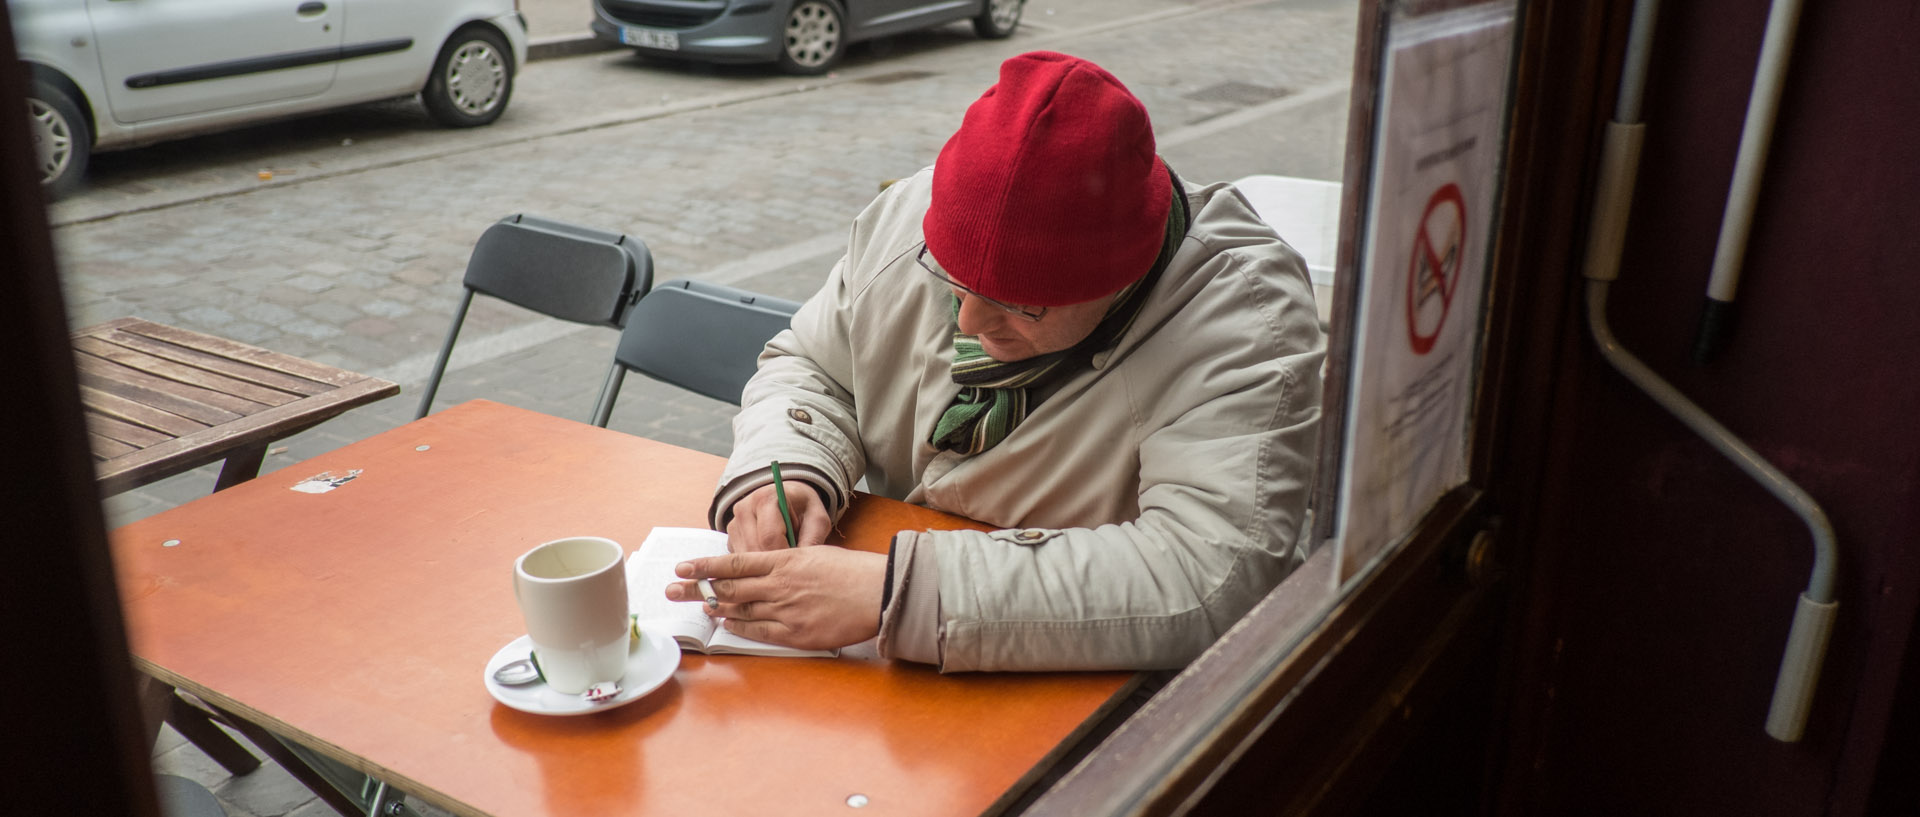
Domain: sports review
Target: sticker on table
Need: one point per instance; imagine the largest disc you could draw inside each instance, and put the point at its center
(326, 481)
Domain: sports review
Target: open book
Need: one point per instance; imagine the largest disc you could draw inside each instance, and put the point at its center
(650, 570)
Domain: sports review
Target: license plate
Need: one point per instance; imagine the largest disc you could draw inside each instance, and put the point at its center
(650, 38)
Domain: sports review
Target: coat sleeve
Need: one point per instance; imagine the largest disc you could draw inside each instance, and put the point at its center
(797, 409)
(1224, 481)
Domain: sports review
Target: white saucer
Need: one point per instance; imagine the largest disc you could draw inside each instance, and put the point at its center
(650, 662)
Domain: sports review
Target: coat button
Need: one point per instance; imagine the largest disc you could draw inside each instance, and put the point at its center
(800, 416)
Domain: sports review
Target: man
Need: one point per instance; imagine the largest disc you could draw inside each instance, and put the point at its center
(1045, 331)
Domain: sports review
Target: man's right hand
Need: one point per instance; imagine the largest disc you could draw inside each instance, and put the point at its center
(757, 525)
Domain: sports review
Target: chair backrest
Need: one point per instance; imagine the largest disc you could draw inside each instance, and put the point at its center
(703, 337)
(561, 270)
(566, 271)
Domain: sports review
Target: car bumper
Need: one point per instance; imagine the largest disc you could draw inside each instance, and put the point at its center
(715, 31)
(514, 25)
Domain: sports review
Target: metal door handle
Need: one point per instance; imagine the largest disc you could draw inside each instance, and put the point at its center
(309, 9)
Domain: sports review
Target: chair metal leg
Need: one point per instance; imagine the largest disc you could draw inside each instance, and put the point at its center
(446, 351)
(603, 408)
(378, 805)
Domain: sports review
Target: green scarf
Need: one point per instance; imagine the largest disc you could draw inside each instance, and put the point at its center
(993, 397)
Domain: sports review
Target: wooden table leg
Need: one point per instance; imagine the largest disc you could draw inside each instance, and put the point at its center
(160, 703)
(242, 465)
(198, 728)
(154, 696)
(313, 780)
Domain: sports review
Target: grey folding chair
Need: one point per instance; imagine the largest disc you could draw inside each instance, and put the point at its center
(705, 338)
(561, 270)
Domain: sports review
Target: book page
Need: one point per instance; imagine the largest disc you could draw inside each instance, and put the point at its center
(650, 570)
(726, 643)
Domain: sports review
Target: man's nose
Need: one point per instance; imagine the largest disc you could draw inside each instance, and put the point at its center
(977, 316)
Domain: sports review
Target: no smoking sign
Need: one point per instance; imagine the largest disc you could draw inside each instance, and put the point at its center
(1433, 273)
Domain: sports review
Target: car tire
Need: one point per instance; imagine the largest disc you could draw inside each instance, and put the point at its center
(998, 19)
(472, 79)
(813, 37)
(62, 139)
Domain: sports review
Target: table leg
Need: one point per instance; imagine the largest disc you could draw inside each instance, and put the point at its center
(198, 727)
(153, 705)
(242, 465)
(159, 703)
(333, 797)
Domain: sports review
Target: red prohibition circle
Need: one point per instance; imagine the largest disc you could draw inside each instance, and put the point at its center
(1435, 272)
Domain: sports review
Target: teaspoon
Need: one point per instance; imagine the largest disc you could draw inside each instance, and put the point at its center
(516, 673)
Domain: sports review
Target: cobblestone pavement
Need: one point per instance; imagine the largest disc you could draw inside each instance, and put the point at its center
(353, 253)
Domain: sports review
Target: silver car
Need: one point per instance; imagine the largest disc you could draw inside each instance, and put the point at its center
(111, 74)
(803, 36)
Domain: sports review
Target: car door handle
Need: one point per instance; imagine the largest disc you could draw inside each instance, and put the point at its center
(309, 9)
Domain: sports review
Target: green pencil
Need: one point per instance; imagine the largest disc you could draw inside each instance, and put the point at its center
(786, 515)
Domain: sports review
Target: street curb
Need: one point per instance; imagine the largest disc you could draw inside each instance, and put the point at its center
(566, 45)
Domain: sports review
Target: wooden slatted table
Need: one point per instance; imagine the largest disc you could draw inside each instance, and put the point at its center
(161, 400)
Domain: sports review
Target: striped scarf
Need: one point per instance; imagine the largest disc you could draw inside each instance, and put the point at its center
(993, 397)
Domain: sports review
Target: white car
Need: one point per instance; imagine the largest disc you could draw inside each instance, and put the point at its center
(110, 74)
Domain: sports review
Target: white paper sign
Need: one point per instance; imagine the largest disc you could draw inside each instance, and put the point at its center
(1436, 175)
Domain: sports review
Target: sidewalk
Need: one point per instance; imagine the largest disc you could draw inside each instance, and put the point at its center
(558, 28)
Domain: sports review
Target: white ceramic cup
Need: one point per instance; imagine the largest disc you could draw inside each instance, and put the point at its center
(573, 595)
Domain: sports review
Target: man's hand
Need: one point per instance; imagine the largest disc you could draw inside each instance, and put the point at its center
(756, 523)
(812, 598)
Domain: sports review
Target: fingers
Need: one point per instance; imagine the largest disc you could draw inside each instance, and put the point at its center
(810, 597)
(730, 581)
(768, 630)
(757, 523)
(733, 598)
(731, 566)
(814, 525)
(686, 591)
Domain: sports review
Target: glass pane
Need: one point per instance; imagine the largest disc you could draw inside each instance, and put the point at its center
(1438, 148)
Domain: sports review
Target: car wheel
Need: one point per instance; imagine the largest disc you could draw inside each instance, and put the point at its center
(813, 38)
(998, 20)
(471, 81)
(62, 141)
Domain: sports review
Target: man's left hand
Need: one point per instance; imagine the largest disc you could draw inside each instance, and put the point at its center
(811, 598)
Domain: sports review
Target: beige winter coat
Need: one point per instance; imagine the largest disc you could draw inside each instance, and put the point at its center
(1150, 500)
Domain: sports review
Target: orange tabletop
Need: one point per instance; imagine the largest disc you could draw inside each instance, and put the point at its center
(358, 621)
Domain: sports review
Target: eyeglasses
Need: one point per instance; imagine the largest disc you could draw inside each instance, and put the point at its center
(1031, 313)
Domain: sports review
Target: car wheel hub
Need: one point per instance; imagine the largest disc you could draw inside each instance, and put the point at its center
(812, 34)
(52, 139)
(475, 77)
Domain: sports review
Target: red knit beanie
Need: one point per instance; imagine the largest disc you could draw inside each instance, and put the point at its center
(1050, 193)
